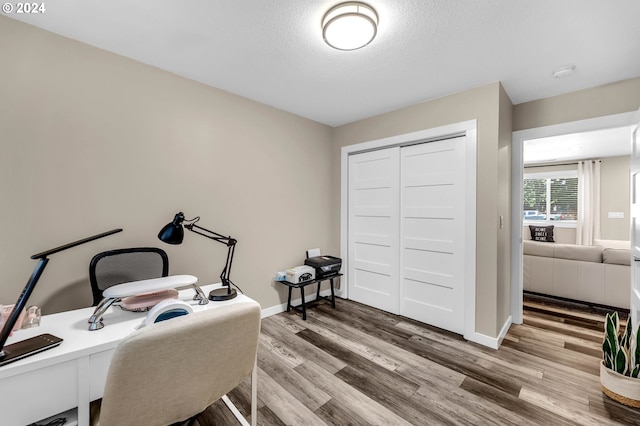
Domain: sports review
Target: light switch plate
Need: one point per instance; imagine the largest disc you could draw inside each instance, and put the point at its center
(615, 215)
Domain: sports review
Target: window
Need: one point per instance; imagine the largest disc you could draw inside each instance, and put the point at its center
(551, 196)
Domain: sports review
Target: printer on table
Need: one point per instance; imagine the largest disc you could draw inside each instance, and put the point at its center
(325, 266)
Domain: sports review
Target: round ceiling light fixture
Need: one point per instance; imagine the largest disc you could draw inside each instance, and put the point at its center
(349, 26)
(564, 72)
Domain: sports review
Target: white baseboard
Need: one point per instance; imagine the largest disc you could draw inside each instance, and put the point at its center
(505, 330)
(491, 342)
(267, 312)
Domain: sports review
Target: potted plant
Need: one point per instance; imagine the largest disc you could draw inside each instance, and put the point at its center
(620, 367)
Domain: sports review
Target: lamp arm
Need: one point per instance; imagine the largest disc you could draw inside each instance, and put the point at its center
(211, 235)
(75, 243)
(226, 272)
(231, 244)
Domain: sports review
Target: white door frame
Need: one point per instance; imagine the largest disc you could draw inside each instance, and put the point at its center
(465, 128)
(634, 303)
(517, 166)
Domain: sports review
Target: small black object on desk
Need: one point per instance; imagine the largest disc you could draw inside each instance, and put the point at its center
(302, 307)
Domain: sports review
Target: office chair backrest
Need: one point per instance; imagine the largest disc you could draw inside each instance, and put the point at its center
(123, 265)
(173, 370)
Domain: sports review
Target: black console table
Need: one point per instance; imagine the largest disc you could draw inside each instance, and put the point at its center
(302, 307)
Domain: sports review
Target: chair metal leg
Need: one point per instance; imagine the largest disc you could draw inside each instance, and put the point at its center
(234, 410)
(254, 394)
(254, 400)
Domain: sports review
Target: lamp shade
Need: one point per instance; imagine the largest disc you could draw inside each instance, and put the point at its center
(173, 233)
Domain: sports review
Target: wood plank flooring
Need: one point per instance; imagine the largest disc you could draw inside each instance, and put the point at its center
(356, 365)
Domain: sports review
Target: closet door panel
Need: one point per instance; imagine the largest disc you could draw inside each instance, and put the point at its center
(432, 233)
(373, 257)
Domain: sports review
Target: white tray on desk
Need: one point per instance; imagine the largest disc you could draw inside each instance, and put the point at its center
(131, 289)
(134, 288)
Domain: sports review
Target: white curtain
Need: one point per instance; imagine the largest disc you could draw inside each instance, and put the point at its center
(588, 227)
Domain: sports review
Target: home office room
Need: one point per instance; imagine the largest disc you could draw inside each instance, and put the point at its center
(249, 125)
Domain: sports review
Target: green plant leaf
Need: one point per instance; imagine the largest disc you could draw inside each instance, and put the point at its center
(625, 341)
(612, 326)
(606, 356)
(636, 352)
(636, 371)
(610, 319)
(608, 361)
(621, 362)
(606, 348)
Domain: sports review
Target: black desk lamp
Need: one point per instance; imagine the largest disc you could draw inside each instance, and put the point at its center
(172, 233)
(41, 342)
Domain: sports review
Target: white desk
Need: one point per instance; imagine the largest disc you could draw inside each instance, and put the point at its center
(74, 373)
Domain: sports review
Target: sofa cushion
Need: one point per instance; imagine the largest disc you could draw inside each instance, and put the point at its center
(536, 248)
(577, 252)
(616, 256)
(563, 251)
(614, 244)
(541, 233)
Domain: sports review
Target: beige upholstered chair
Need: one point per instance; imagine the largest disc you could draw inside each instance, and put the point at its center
(171, 371)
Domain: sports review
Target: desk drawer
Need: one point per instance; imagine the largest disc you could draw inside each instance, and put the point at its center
(39, 393)
(98, 369)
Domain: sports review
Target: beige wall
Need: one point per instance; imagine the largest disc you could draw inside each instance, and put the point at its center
(614, 197)
(486, 104)
(609, 99)
(92, 141)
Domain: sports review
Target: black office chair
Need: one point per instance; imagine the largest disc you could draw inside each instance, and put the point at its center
(124, 265)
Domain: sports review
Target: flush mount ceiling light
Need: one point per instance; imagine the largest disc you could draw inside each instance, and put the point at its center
(349, 26)
(564, 72)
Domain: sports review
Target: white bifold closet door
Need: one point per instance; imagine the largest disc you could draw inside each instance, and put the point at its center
(406, 231)
(432, 233)
(374, 208)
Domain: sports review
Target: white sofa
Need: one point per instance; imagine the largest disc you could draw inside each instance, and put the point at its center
(594, 274)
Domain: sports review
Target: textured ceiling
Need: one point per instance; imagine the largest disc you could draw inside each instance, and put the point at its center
(578, 146)
(272, 50)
